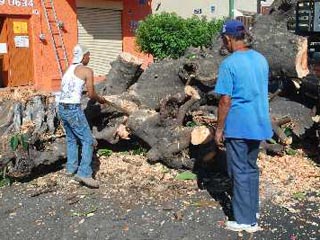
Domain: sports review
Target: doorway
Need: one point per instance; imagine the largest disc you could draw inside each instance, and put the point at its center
(16, 63)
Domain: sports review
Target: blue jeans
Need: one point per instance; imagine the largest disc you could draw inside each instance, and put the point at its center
(242, 157)
(77, 130)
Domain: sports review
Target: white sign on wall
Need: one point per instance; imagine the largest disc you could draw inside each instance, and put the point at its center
(17, 3)
(21, 41)
(3, 48)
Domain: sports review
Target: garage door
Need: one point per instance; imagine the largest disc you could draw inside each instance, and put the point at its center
(100, 30)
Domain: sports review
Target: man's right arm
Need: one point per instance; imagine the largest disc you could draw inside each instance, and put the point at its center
(224, 87)
(223, 110)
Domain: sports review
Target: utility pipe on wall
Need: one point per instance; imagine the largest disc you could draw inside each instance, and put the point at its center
(231, 8)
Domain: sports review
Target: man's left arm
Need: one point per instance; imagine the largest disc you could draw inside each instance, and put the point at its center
(90, 87)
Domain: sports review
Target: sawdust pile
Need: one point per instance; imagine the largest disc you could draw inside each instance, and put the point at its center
(132, 180)
(284, 180)
(287, 180)
(132, 177)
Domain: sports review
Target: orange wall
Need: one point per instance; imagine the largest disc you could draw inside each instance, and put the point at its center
(46, 73)
(132, 13)
(48, 69)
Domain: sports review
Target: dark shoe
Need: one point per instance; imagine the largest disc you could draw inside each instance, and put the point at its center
(90, 182)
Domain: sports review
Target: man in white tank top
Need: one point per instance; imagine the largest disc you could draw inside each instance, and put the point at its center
(74, 121)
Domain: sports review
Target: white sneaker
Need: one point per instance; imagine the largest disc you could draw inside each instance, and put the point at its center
(234, 226)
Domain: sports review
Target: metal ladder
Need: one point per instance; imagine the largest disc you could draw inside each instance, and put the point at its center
(55, 28)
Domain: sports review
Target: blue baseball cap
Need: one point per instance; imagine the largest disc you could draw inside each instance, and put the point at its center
(233, 28)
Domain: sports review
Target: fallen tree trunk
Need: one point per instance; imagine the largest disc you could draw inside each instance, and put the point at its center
(125, 71)
(285, 51)
(169, 106)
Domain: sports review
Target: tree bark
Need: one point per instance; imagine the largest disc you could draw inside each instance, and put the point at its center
(154, 104)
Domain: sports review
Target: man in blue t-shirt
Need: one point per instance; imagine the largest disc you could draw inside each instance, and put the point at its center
(243, 121)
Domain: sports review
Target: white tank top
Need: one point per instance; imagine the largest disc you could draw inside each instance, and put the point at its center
(71, 86)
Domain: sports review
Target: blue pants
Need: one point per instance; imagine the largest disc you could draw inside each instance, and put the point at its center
(77, 130)
(242, 157)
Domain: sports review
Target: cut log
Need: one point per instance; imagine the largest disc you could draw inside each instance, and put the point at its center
(165, 142)
(156, 82)
(114, 131)
(298, 113)
(121, 104)
(184, 109)
(6, 116)
(285, 51)
(169, 107)
(272, 149)
(283, 6)
(202, 69)
(201, 135)
(124, 72)
(193, 93)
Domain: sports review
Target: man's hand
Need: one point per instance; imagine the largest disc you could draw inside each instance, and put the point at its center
(102, 100)
(219, 138)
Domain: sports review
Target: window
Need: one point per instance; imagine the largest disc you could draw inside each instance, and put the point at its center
(212, 8)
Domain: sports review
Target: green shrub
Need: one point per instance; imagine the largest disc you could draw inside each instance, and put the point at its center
(202, 31)
(169, 35)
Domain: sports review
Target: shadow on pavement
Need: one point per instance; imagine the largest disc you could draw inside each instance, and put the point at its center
(212, 176)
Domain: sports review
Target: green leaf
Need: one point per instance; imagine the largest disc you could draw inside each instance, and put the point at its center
(187, 175)
(139, 151)
(88, 213)
(191, 124)
(105, 152)
(299, 195)
(14, 142)
(204, 203)
(291, 152)
(24, 141)
(288, 132)
(272, 141)
(4, 181)
(191, 56)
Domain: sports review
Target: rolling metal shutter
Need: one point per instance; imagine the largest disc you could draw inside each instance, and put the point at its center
(100, 30)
